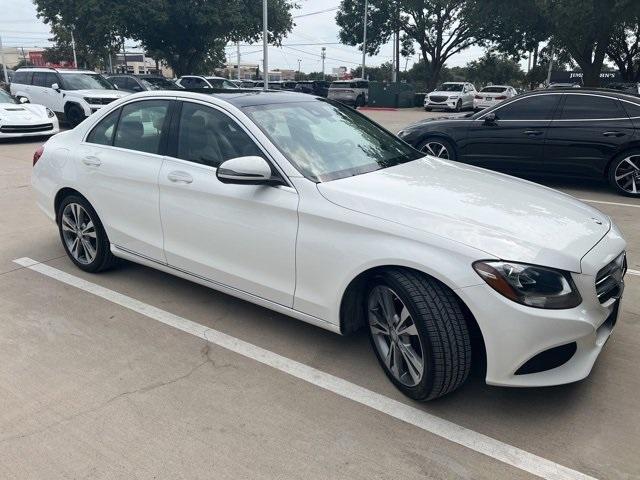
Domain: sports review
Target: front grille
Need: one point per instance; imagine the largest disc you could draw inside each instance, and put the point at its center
(44, 127)
(610, 279)
(437, 98)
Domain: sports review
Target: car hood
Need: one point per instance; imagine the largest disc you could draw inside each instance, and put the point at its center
(502, 216)
(24, 113)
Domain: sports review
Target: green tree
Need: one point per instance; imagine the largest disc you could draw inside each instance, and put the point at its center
(439, 28)
(496, 69)
(582, 28)
(624, 49)
(192, 34)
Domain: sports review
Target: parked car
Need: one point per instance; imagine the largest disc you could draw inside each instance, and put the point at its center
(72, 95)
(451, 96)
(564, 85)
(142, 83)
(313, 87)
(632, 88)
(344, 226)
(247, 84)
(288, 85)
(25, 120)
(195, 81)
(351, 92)
(565, 133)
(491, 95)
(272, 85)
(236, 82)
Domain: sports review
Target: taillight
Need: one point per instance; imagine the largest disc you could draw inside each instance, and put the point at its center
(478, 97)
(502, 97)
(37, 154)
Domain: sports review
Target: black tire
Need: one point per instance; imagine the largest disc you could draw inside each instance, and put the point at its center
(624, 164)
(74, 115)
(447, 144)
(427, 109)
(459, 106)
(441, 326)
(360, 101)
(104, 259)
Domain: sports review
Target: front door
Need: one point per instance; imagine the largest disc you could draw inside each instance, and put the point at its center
(240, 236)
(514, 141)
(121, 159)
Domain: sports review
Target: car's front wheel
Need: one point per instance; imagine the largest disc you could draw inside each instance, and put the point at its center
(419, 333)
(437, 147)
(83, 236)
(74, 115)
(624, 173)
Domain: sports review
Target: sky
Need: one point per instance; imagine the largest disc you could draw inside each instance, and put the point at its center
(19, 26)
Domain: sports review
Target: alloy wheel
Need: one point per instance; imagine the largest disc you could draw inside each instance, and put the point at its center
(436, 149)
(627, 174)
(395, 336)
(79, 233)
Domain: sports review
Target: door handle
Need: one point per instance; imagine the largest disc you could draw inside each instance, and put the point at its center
(180, 177)
(614, 133)
(91, 161)
(532, 132)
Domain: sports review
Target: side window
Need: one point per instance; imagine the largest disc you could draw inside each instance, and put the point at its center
(141, 126)
(186, 83)
(633, 109)
(50, 78)
(538, 107)
(198, 83)
(39, 79)
(584, 107)
(118, 81)
(132, 85)
(102, 133)
(210, 137)
(21, 78)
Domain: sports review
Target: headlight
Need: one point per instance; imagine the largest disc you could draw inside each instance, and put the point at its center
(530, 285)
(50, 114)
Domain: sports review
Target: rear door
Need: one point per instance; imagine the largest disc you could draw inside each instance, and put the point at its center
(121, 159)
(588, 132)
(514, 141)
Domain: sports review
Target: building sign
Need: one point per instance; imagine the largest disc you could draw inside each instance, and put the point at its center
(576, 77)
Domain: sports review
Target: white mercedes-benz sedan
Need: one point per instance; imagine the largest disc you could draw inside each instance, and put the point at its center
(307, 207)
(24, 119)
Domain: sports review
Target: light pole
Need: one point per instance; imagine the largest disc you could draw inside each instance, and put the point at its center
(265, 47)
(323, 54)
(364, 37)
(299, 61)
(73, 45)
(238, 52)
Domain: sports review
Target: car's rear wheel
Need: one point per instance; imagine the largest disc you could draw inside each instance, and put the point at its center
(624, 173)
(437, 147)
(74, 115)
(419, 334)
(83, 236)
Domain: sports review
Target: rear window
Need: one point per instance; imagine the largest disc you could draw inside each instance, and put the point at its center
(494, 89)
(343, 85)
(586, 107)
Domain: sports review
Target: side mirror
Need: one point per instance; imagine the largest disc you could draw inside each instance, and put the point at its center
(251, 170)
(55, 86)
(23, 100)
(490, 118)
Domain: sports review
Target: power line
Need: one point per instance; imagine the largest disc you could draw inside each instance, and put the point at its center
(316, 13)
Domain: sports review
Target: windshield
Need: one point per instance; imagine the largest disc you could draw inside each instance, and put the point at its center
(327, 141)
(159, 84)
(493, 89)
(6, 98)
(85, 81)
(343, 85)
(221, 83)
(450, 87)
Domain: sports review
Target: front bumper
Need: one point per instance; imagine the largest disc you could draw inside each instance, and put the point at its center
(14, 131)
(514, 334)
(447, 104)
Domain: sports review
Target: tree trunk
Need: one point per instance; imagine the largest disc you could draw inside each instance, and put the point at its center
(591, 75)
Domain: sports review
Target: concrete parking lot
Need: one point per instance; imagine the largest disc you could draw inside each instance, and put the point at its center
(94, 383)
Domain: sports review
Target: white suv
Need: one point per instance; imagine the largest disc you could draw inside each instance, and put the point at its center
(72, 94)
(451, 96)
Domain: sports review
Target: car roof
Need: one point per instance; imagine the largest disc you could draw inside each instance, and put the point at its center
(501, 86)
(583, 91)
(59, 70)
(238, 98)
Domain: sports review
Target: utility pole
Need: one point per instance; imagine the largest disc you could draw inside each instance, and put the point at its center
(364, 37)
(394, 77)
(4, 66)
(550, 66)
(124, 54)
(238, 55)
(299, 61)
(265, 45)
(73, 46)
(323, 54)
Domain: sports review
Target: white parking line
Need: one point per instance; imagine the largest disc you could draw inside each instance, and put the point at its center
(478, 442)
(633, 272)
(610, 203)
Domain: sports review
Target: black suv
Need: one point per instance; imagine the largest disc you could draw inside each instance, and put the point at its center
(142, 83)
